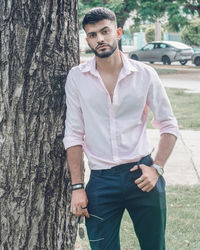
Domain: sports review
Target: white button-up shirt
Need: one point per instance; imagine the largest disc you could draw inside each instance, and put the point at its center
(114, 133)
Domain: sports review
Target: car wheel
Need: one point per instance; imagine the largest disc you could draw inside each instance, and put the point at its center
(197, 61)
(134, 57)
(152, 62)
(183, 62)
(166, 60)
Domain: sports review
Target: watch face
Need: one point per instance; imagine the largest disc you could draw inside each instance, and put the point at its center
(161, 171)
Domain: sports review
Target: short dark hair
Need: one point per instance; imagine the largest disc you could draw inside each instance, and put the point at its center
(97, 14)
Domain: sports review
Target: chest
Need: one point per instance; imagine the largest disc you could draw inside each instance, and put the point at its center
(109, 81)
(126, 94)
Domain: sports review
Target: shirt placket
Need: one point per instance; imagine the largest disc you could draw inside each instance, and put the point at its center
(113, 126)
(113, 132)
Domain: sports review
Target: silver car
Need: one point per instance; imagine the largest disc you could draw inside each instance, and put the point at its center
(163, 51)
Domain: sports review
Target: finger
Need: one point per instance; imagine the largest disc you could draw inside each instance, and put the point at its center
(142, 166)
(79, 212)
(148, 188)
(134, 168)
(139, 180)
(73, 210)
(145, 188)
(141, 185)
(85, 212)
(76, 211)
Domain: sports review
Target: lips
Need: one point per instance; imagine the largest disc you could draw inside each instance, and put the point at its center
(101, 46)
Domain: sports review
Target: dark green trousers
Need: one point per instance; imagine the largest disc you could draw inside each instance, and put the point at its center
(112, 191)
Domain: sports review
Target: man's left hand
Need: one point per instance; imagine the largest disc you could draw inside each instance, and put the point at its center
(148, 179)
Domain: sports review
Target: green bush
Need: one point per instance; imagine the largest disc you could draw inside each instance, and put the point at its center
(150, 34)
(190, 34)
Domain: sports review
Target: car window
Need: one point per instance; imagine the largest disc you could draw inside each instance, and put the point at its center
(157, 45)
(149, 46)
(163, 46)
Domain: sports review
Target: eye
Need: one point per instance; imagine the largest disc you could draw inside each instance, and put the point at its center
(92, 35)
(105, 32)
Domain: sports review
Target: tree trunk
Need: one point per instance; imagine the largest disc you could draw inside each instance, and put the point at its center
(120, 24)
(38, 46)
(158, 31)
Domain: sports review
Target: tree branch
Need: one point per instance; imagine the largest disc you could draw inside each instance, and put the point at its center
(193, 8)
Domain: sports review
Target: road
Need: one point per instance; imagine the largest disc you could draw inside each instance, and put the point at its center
(186, 77)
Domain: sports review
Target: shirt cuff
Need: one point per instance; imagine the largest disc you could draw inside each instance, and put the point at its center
(69, 141)
(174, 132)
(167, 128)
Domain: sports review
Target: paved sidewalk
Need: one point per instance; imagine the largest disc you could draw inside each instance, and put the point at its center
(183, 166)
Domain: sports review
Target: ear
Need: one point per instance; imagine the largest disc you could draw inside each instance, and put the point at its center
(119, 33)
(86, 40)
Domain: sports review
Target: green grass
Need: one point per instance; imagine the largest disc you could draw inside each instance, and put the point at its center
(166, 71)
(183, 222)
(186, 107)
(183, 230)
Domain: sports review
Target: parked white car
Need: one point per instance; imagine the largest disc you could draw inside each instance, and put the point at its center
(163, 51)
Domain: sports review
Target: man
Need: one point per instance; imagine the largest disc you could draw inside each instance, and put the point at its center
(107, 105)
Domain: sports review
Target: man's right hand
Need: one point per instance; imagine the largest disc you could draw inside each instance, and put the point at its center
(79, 203)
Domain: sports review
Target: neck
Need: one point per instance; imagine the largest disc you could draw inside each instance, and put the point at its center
(113, 62)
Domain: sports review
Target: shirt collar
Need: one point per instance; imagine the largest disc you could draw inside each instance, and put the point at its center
(127, 65)
(90, 66)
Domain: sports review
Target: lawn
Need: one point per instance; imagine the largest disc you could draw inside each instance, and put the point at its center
(186, 107)
(165, 71)
(183, 217)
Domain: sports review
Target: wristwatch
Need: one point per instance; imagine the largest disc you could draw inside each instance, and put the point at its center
(159, 169)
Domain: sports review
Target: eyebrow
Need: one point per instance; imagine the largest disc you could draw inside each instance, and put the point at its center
(105, 27)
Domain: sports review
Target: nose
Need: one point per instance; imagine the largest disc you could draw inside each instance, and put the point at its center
(100, 38)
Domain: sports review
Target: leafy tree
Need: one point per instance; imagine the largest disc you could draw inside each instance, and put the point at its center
(190, 34)
(179, 11)
(150, 34)
(122, 8)
(190, 6)
(176, 10)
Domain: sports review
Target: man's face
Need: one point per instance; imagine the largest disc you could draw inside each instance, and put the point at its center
(102, 37)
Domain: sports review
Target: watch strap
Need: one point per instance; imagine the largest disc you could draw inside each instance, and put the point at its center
(77, 186)
(159, 169)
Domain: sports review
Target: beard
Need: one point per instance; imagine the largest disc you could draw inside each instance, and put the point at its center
(104, 53)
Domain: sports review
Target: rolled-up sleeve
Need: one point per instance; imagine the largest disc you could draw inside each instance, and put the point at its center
(74, 125)
(159, 104)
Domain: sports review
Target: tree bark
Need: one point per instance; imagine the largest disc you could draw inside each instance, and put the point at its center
(38, 46)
